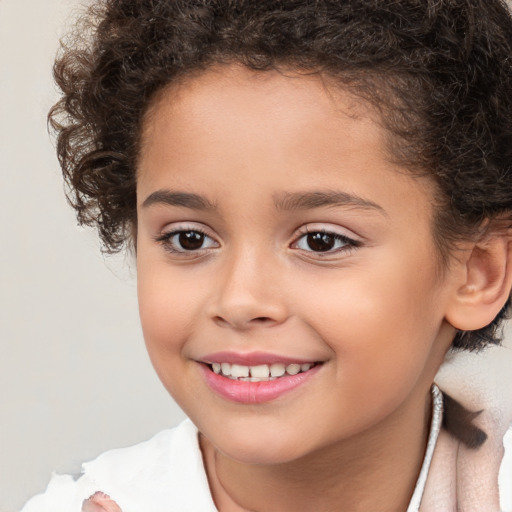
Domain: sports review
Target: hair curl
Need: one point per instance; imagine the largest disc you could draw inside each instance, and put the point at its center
(438, 71)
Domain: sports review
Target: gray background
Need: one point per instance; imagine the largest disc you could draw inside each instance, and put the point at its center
(74, 375)
(75, 379)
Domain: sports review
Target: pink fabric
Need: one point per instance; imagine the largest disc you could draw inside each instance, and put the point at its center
(463, 479)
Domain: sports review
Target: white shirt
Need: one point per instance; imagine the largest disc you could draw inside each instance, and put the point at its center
(164, 474)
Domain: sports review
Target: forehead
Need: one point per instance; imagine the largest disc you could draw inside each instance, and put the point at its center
(286, 130)
(257, 101)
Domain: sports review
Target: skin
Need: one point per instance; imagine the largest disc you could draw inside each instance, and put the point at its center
(100, 502)
(373, 312)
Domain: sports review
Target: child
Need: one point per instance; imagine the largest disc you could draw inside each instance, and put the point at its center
(319, 197)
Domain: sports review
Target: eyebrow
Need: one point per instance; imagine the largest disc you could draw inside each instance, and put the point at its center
(317, 199)
(286, 201)
(186, 199)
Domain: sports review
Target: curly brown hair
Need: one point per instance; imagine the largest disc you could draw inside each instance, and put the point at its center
(439, 72)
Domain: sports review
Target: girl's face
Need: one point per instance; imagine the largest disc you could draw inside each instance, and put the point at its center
(274, 235)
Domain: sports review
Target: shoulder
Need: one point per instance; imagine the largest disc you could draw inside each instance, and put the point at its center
(167, 469)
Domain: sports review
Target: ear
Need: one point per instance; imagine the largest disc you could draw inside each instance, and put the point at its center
(484, 283)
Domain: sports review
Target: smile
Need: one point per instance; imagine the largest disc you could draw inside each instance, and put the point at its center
(259, 373)
(258, 382)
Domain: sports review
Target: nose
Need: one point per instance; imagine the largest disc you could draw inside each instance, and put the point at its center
(249, 293)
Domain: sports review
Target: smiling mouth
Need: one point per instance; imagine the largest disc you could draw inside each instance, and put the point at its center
(259, 373)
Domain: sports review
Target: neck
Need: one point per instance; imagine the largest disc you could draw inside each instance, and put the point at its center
(374, 470)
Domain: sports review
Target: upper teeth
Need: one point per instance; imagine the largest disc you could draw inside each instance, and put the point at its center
(259, 372)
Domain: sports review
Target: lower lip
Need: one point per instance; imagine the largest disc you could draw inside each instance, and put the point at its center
(255, 392)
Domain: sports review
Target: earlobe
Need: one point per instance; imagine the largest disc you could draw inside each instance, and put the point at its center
(485, 284)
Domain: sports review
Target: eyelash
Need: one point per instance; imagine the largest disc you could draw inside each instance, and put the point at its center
(349, 244)
(165, 239)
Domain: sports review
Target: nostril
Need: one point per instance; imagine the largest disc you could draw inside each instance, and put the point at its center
(243, 322)
(220, 320)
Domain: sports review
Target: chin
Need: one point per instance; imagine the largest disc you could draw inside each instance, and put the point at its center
(258, 447)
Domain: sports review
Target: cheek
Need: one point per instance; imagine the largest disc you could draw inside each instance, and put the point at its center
(168, 304)
(380, 323)
(167, 312)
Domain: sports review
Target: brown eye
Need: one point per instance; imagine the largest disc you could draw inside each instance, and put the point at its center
(186, 241)
(320, 242)
(325, 242)
(190, 240)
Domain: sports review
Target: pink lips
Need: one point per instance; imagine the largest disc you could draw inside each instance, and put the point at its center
(254, 392)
